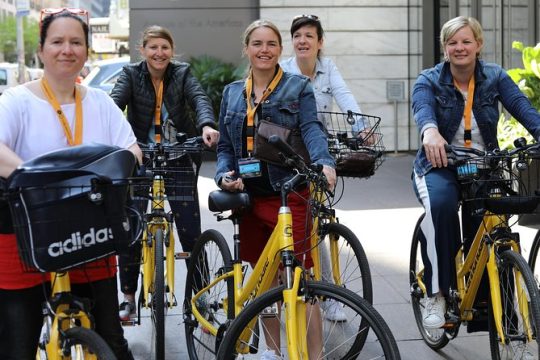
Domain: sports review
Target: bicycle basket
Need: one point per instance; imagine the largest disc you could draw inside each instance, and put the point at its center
(65, 217)
(495, 184)
(179, 173)
(355, 142)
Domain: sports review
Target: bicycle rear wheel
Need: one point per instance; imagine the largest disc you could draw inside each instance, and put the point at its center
(514, 270)
(345, 340)
(434, 338)
(158, 297)
(83, 343)
(210, 258)
(534, 261)
(347, 254)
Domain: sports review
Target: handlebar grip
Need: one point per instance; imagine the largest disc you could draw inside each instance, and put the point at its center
(448, 148)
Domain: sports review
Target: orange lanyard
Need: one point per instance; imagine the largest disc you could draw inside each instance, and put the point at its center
(467, 113)
(157, 111)
(251, 110)
(62, 117)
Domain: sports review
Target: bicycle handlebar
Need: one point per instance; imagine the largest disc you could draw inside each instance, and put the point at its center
(460, 153)
(312, 172)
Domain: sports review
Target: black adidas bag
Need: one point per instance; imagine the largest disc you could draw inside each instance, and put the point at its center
(69, 206)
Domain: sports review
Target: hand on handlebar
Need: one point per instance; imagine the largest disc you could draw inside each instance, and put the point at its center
(367, 137)
(210, 136)
(434, 147)
(330, 174)
(230, 183)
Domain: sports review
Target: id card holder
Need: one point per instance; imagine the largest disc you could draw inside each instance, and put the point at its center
(249, 168)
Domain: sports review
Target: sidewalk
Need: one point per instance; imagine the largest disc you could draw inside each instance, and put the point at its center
(382, 211)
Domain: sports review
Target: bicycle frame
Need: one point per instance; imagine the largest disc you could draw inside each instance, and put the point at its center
(158, 220)
(318, 197)
(64, 315)
(264, 272)
(469, 271)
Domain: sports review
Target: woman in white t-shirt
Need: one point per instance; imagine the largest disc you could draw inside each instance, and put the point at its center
(39, 117)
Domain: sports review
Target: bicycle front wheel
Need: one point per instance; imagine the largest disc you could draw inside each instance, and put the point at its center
(434, 338)
(517, 285)
(347, 258)
(343, 340)
(83, 343)
(534, 261)
(158, 296)
(209, 259)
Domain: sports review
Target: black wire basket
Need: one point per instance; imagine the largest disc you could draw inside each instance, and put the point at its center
(355, 142)
(61, 226)
(178, 171)
(502, 185)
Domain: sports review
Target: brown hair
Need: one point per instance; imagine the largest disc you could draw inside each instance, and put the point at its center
(156, 32)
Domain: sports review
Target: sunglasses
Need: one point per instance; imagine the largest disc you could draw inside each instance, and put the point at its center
(53, 11)
(311, 17)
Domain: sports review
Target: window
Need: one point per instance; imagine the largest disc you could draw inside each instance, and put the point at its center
(3, 77)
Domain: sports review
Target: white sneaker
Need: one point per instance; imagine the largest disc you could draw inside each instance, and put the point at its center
(434, 312)
(333, 311)
(269, 355)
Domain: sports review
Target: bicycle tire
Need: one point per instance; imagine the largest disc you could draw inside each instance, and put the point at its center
(158, 296)
(533, 258)
(355, 274)
(83, 343)
(434, 338)
(508, 264)
(210, 256)
(345, 345)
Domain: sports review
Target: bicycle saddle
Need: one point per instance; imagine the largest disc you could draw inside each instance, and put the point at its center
(220, 200)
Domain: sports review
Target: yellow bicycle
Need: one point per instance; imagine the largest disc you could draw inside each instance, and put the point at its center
(488, 182)
(227, 312)
(67, 214)
(338, 255)
(172, 174)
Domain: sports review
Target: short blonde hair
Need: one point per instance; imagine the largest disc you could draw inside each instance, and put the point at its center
(257, 24)
(452, 26)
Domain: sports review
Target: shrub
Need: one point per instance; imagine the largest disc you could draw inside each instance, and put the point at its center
(214, 74)
(528, 80)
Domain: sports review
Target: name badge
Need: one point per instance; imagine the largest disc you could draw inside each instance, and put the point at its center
(249, 168)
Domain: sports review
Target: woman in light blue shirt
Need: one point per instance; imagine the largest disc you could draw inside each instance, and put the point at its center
(328, 84)
(307, 39)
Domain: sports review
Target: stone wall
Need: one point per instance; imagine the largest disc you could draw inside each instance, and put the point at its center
(372, 43)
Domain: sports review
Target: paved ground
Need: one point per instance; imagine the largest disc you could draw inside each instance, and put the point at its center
(382, 211)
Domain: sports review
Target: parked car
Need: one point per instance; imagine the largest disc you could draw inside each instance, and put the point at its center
(105, 73)
(9, 76)
(35, 73)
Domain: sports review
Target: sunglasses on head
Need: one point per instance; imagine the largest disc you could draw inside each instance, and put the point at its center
(53, 11)
(311, 17)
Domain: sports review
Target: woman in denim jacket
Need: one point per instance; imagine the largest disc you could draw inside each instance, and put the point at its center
(439, 103)
(280, 98)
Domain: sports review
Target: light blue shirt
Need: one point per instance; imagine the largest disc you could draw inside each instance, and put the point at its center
(328, 85)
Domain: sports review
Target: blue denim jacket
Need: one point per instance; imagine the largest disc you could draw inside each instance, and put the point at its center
(437, 103)
(291, 104)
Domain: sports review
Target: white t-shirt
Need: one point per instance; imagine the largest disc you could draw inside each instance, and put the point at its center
(30, 127)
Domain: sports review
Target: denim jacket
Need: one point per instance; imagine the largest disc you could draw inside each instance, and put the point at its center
(437, 103)
(291, 104)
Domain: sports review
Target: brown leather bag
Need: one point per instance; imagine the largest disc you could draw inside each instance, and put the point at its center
(266, 152)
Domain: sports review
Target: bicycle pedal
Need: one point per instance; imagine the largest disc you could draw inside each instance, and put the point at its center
(181, 255)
